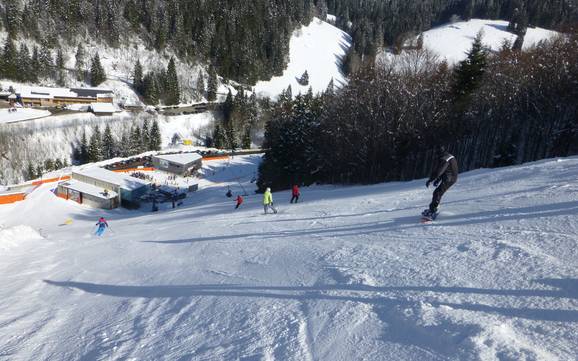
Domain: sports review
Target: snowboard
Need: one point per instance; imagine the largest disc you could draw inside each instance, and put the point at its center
(429, 218)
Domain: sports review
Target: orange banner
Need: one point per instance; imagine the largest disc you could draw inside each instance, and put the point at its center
(12, 198)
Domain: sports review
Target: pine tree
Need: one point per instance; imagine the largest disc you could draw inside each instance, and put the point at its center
(136, 146)
(123, 146)
(9, 64)
(212, 84)
(469, 10)
(39, 171)
(95, 146)
(219, 137)
(200, 84)
(146, 136)
(35, 63)
(108, 144)
(97, 74)
(30, 172)
(304, 80)
(155, 136)
(60, 68)
(468, 74)
(247, 138)
(80, 62)
(25, 67)
(45, 60)
(228, 107)
(83, 148)
(150, 89)
(232, 138)
(173, 93)
(49, 165)
(137, 77)
(330, 91)
(13, 18)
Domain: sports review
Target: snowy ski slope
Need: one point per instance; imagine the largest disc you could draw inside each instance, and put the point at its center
(318, 48)
(452, 41)
(349, 274)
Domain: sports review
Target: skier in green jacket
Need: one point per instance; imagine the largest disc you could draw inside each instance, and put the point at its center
(268, 201)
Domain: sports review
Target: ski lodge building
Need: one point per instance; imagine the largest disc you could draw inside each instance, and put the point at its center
(183, 164)
(51, 97)
(101, 188)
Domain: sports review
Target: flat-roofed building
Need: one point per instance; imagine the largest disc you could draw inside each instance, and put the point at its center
(88, 194)
(49, 97)
(129, 189)
(183, 163)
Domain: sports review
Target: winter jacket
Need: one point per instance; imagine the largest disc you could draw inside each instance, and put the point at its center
(267, 198)
(239, 200)
(102, 223)
(446, 169)
(295, 190)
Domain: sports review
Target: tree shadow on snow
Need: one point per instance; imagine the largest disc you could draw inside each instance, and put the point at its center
(319, 232)
(508, 214)
(566, 289)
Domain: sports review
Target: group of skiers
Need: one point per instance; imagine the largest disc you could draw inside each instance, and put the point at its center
(268, 199)
(443, 176)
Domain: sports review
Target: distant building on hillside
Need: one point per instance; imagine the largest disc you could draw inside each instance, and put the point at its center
(50, 97)
(183, 164)
(103, 108)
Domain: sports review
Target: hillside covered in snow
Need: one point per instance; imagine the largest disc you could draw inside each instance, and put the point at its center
(318, 49)
(347, 274)
(451, 41)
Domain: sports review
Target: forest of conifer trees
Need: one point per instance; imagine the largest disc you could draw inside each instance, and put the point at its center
(490, 110)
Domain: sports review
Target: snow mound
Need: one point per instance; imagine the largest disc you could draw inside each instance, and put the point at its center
(452, 41)
(13, 236)
(317, 48)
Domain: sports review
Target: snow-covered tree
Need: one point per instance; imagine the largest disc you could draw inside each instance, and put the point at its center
(97, 74)
(212, 84)
(155, 136)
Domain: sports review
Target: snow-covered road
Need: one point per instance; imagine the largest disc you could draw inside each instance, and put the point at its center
(349, 274)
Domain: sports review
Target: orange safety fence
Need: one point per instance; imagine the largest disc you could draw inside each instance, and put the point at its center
(12, 198)
(128, 170)
(50, 180)
(216, 157)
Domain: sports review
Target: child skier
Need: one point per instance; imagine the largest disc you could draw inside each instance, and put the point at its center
(295, 194)
(444, 175)
(239, 201)
(268, 201)
(102, 225)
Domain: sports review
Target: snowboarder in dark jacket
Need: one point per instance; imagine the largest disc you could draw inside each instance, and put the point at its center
(444, 175)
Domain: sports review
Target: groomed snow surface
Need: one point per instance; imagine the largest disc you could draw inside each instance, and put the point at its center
(21, 114)
(348, 274)
(452, 41)
(318, 48)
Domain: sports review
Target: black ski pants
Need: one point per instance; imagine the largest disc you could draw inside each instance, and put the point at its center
(438, 194)
(294, 199)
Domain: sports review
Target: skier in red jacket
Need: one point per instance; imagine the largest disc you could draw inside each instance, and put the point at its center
(239, 201)
(295, 193)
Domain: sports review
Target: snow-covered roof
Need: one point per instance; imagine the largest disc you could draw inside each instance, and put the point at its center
(49, 92)
(103, 108)
(89, 189)
(122, 180)
(181, 158)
